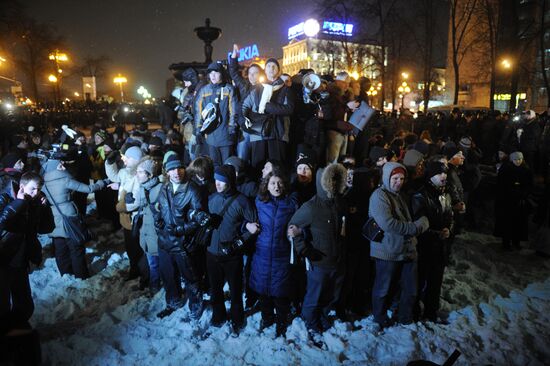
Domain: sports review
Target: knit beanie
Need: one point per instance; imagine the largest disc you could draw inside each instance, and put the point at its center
(465, 142)
(450, 150)
(398, 170)
(516, 155)
(155, 140)
(412, 158)
(173, 162)
(134, 152)
(434, 168)
(225, 173)
(147, 164)
(236, 163)
(305, 160)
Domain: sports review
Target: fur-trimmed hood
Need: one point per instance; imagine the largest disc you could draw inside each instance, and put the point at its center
(331, 181)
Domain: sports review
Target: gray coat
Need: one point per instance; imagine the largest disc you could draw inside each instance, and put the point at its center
(59, 184)
(148, 238)
(391, 213)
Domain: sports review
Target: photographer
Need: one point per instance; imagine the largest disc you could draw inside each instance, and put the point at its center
(70, 256)
(224, 261)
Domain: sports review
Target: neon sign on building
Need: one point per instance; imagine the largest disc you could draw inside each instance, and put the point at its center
(330, 28)
(246, 53)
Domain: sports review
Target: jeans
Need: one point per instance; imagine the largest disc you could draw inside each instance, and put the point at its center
(243, 148)
(175, 266)
(388, 275)
(154, 271)
(322, 294)
(337, 144)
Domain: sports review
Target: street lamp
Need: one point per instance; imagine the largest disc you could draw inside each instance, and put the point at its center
(57, 57)
(403, 89)
(405, 75)
(507, 64)
(119, 79)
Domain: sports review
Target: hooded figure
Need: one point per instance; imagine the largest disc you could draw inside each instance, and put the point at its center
(318, 229)
(395, 255)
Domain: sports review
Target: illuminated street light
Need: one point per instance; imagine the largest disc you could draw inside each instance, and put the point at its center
(405, 75)
(76, 94)
(52, 78)
(58, 56)
(506, 64)
(119, 79)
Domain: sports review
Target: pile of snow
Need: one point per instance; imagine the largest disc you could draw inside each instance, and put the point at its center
(498, 307)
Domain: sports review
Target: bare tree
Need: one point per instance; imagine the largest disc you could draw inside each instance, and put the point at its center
(95, 66)
(542, 50)
(462, 12)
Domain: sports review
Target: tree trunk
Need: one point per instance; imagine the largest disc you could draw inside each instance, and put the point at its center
(542, 51)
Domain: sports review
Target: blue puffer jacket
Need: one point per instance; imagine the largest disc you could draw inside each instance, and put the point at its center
(271, 262)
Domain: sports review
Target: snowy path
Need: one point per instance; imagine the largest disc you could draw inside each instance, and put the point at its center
(498, 305)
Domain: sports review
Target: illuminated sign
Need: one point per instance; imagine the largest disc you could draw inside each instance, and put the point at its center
(509, 96)
(331, 28)
(296, 30)
(246, 53)
(339, 29)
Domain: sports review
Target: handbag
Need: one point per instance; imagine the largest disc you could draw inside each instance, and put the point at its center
(74, 226)
(372, 232)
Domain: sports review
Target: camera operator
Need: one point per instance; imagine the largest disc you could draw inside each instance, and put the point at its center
(224, 261)
(70, 256)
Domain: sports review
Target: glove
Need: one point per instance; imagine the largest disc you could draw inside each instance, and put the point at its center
(111, 158)
(159, 224)
(176, 230)
(129, 198)
(200, 217)
(229, 248)
(422, 225)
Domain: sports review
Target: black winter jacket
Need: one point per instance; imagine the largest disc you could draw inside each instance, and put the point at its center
(174, 227)
(435, 204)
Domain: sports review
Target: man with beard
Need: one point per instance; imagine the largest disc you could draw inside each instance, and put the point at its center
(434, 202)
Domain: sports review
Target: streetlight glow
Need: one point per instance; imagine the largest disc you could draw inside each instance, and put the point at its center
(52, 78)
(119, 79)
(506, 64)
(405, 75)
(58, 56)
(311, 27)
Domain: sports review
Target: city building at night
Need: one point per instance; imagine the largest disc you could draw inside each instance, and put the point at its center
(328, 47)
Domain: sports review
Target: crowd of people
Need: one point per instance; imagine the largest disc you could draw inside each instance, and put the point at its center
(265, 185)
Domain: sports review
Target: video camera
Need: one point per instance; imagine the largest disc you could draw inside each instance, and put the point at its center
(63, 152)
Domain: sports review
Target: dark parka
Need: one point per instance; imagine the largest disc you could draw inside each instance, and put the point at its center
(20, 222)
(227, 110)
(271, 273)
(321, 216)
(239, 212)
(514, 184)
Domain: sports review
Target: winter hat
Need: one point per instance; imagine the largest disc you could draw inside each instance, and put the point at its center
(236, 163)
(305, 160)
(274, 60)
(516, 155)
(421, 146)
(225, 173)
(214, 66)
(134, 152)
(412, 158)
(147, 164)
(172, 162)
(102, 134)
(155, 140)
(398, 170)
(530, 114)
(434, 168)
(160, 134)
(465, 142)
(377, 152)
(450, 150)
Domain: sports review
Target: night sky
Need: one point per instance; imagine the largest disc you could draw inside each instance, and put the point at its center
(143, 38)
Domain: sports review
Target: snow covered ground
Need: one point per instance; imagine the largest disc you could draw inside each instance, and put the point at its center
(498, 307)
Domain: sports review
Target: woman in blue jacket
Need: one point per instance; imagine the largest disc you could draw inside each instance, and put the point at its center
(271, 274)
